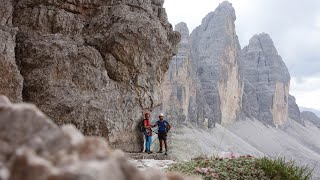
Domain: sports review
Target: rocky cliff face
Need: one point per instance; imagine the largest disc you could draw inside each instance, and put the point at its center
(10, 78)
(183, 100)
(95, 64)
(294, 111)
(311, 117)
(177, 86)
(266, 81)
(215, 51)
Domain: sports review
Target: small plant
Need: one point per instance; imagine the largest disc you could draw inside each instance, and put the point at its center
(282, 170)
(243, 167)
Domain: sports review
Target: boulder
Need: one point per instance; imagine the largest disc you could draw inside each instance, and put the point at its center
(34, 148)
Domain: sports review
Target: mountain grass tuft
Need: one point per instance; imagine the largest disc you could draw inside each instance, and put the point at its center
(244, 167)
(281, 169)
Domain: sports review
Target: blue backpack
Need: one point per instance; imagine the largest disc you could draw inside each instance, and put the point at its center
(164, 126)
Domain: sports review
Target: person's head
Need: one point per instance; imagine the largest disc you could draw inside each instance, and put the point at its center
(147, 115)
(161, 116)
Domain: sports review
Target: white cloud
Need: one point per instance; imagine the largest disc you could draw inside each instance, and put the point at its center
(307, 92)
(292, 24)
(190, 12)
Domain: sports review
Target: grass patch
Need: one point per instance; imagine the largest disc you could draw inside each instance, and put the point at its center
(244, 167)
(282, 170)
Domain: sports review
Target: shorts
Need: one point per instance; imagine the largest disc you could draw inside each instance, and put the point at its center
(162, 136)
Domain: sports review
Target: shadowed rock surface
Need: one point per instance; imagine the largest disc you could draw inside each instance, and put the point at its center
(95, 64)
(311, 117)
(294, 111)
(215, 51)
(11, 81)
(317, 112)
(34, 148)
(266, 81)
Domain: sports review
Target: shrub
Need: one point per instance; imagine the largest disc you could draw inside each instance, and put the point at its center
(244, 167)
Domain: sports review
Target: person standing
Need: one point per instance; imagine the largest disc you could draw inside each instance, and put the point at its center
(147, 132)
(163, 128)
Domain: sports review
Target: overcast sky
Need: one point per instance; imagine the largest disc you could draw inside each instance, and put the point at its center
(294, 26)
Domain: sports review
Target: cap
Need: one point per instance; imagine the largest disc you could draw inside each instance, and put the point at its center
(146, 114)
(160, 115)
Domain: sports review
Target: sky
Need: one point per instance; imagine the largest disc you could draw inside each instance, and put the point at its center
(294, 26)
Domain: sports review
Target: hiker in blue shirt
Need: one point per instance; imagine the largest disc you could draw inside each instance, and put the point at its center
(163, 128)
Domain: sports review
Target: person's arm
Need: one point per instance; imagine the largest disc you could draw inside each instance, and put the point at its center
(167, 125)
(155, 125)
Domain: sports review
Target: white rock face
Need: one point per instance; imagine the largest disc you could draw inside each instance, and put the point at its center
(145, 164)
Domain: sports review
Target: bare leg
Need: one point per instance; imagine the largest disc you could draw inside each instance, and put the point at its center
(160, 142)
(165, 145)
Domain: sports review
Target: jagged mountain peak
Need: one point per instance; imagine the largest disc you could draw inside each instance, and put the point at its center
(223, 12)
(225, 4)
(262, 42)
(183, 29)
(226, 8)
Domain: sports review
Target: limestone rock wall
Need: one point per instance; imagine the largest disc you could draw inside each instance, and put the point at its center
(176, 87)
(11, 80)
(280, 104)
(294, 111)
(215, 51)
(266, 81)
(96, 64)
(183, 100)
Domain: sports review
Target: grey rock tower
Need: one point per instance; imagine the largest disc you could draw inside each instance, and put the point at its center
(266, 81)
(183, 100)
(215, 51)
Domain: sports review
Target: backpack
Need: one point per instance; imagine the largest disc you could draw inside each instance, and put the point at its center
(164, 126)
(141, 126)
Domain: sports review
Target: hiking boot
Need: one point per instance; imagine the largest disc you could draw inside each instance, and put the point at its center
(166, 153)
(150, 152)
(160, 151)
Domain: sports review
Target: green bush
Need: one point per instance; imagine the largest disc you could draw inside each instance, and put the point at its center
(244, 167)
(282, 170)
